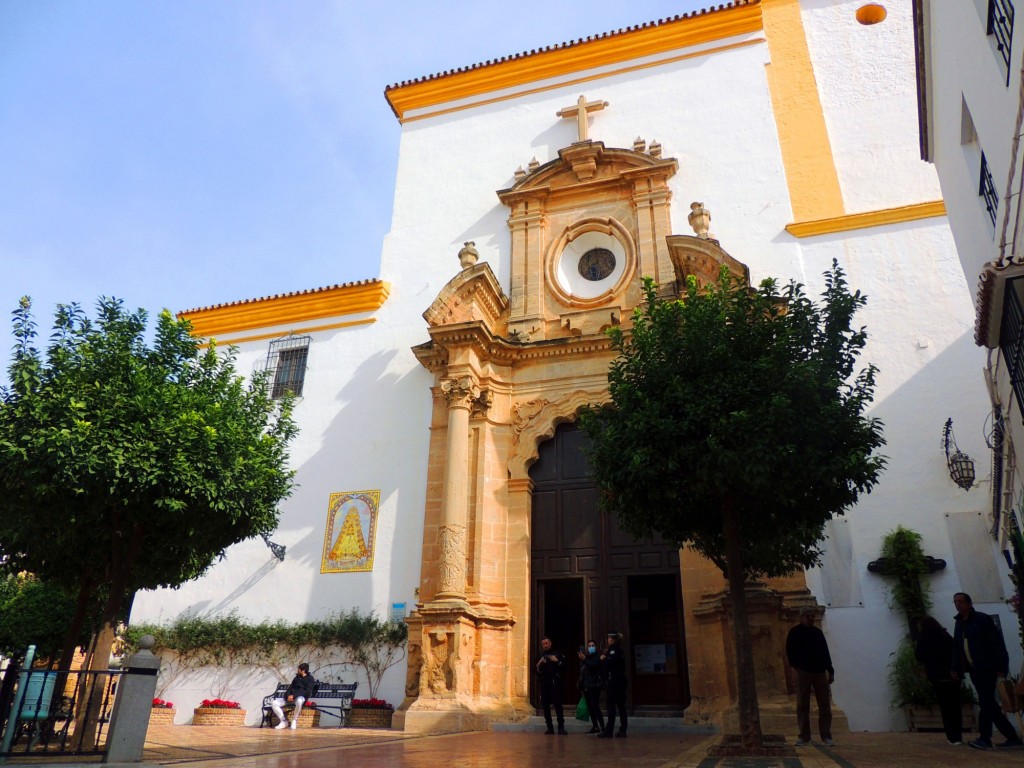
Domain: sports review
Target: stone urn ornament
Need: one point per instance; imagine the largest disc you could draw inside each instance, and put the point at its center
(469, 255)
(700, 220)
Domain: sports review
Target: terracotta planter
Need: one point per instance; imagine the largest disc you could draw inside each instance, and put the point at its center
(369, 718)
(309, 718)
(217, 716)
(162, 716)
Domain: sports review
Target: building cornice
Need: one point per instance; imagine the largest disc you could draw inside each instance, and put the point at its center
(287, 309)
(867, 219)
(739, 18)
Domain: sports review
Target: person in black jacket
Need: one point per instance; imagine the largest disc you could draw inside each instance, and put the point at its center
(934, 648)
(807, 653)
(979, 650)
(614, 659)
(549, 672)
(300, 690)
(591, 684)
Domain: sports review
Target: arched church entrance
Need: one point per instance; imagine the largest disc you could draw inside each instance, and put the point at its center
(590, 578)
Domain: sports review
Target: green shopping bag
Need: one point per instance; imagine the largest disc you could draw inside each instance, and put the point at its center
(582, 713)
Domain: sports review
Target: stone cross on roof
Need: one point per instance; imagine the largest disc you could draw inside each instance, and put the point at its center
(580, 111)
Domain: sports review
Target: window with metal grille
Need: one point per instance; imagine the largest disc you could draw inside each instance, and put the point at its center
(987, 190)
(287, 359)
(1000, 26)
(1011, 337)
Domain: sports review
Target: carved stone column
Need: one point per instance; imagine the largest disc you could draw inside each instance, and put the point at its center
(459, 393)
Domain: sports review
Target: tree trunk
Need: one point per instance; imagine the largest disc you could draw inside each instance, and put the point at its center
(746, 684)
(75, 629)
(95, 683)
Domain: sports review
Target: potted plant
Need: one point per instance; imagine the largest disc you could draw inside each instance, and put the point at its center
(370, 713)
(915, 695)
(218, 712)
(162, 713)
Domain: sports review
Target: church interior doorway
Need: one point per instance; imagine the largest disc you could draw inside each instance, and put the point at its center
(590, 578)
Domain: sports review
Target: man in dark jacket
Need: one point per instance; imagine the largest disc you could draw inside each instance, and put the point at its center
(807, 652)
(614, 659)
(549, 673)
(979, 650)
(300, 691)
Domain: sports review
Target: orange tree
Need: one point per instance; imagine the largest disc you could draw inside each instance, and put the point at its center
(738, 427)
(129, 464)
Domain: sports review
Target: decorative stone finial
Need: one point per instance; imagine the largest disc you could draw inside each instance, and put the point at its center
(519, 173)
(469, 255)
(639, 144)
(533, 165)
(700, 219)
(655, 149)
(146, 642)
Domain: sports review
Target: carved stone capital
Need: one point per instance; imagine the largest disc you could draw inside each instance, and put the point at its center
(460, 392)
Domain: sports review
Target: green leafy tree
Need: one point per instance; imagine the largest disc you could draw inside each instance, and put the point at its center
(128, 465)
(33, 612)
(737, 427)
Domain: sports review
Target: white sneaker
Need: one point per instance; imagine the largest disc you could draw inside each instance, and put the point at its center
(280, 725)
(294, 725)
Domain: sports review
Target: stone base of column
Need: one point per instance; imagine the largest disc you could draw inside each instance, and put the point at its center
(447, 715)
(778, 716)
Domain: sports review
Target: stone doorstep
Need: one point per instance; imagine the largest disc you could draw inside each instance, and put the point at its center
(535, 724)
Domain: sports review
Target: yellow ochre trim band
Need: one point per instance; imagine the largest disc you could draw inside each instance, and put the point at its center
(585, 79)
(293, 308)
(296, 331)
(626, 46)
(868, 219)
(811, 174)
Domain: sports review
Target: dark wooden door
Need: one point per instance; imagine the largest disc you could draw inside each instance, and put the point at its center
(591, 578)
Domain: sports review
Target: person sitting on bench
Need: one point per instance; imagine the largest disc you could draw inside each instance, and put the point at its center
(298, 692)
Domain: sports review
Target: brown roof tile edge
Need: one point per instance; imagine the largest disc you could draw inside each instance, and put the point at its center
(307, 291)
(572, 43)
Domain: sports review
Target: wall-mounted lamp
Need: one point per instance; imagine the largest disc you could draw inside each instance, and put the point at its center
(961, 466)
(277, 550)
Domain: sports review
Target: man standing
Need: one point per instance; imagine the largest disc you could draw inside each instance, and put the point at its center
(299, 691)
(615, 673)
(979, 650)
(549, 674)
(807, 652)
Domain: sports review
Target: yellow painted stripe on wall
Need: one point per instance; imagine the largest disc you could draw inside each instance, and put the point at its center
(295, 331)
(811, 174)
(868, 219)
(602, 52)
(292, 308)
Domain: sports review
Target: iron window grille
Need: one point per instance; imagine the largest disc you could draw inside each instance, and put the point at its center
(287, 359)
(1011, 339)
(1000, 26)
(987, 190)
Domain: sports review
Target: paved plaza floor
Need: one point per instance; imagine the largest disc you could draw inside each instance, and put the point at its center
(242, 747)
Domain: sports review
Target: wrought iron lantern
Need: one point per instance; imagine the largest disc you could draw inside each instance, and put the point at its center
(277, 550)
(961, 466)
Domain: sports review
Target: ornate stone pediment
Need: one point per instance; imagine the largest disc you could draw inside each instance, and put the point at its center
(703, 258)
(473, 295)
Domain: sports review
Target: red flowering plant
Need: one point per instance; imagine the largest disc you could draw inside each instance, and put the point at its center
(219, 704)
(371, 704)
(161, 704)
(309, 705)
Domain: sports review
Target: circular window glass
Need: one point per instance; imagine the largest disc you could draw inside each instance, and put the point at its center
(596, 264)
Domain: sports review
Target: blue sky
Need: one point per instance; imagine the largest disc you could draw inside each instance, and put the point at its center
(186, 153)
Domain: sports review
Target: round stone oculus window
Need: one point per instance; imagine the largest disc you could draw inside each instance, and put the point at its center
(590, 265)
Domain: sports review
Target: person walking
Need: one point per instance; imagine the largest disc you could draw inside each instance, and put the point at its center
(549, 673)
(979, 650)
(300, 690)
(807, 653)
(934, 649)
(614, 659)
(591, 684)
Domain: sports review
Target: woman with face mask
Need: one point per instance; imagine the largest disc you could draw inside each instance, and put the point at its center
(591, 683)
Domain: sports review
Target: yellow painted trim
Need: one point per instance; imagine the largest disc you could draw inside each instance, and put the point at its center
(811, 175)
(623, 46)
(296, 331)
(869, 219)
(585, 79)
(348, 299)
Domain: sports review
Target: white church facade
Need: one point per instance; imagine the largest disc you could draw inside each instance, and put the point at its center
(440, 473)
